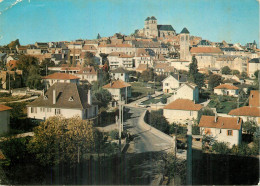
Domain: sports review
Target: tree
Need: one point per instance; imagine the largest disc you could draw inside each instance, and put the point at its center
(194, 74)
(102, 97)
(250, 127)
(159, 121)
(221, 148)
(205, 111)
(34, 79)
(244, 74)
(148, 75)
(61, 140)
(163, 99)
(226, 70)
(89, 59)
(214, 80)
(256, 73)
(104, 58)
(235, 72)
(14, 43)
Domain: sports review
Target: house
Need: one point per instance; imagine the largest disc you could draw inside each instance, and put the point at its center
(60, 78)
(172, 82)
(181, 111)
(226, 89)
(120, 74)
(222, 129)
(186, 91)
(65, 99)
(88, 74)
(120, 59)
(250, 112)
(141, 68)
(163, 69)
(5, 118)
(119, 89)
(253, 65)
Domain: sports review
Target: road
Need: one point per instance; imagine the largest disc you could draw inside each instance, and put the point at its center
(144, 140)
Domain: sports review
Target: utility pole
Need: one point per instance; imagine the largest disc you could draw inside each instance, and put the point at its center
(9, 81)
(119, 125)
(189, 154)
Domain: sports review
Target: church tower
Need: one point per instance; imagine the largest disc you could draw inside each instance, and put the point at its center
(185, 44)
(150, 27)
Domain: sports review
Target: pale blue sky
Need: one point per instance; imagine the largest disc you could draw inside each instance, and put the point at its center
(235, 21)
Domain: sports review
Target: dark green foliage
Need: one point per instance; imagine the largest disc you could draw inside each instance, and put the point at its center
(98, 36)
(195, 130)
(163, 99)
(214, 80)
(250, 127)
(148, 75)
(13, 44)
(235, 72)
(256, 73)
(34, 79)
(194, 74)
(226, 70)
(221, 148)
(244, 74)
(158, 121)
(205, 111)
(114, 134)
(101, 96)
(178, 129)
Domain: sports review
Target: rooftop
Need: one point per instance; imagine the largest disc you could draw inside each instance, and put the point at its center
(117, 84)
(183, 104)
(226, 86)
(60, 76)
(246, 111)
(4, 108)
(221, 122)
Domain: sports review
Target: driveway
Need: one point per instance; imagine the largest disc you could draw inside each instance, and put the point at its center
(144, 140)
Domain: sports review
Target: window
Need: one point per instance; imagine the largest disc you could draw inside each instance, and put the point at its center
(42, 109)
(230, 132)
(48, 109)
(71, 98)
(57, 111)
(166, 84)
(45, 97)
(33, 110)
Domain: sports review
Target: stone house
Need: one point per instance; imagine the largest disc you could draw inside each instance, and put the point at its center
(226, 89)
(65, 99)
(119, 90)
(120, 74)
(181, 111)
(222, 129)
(172, 82)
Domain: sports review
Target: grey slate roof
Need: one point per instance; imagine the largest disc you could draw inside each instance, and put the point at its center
(185, 31)
(182, 78)
(119, 70)
(165, 27)
(63, 93)
(153, 18)
(255, 60)
(147, 19)
(204, 42)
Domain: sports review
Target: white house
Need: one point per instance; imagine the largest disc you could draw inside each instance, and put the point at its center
(60, 78)
(172, 82)
(88, 74)
(120, 59)
(66, 99)
(119, 89)
(250, 112)
(120, 74)
(226, 89)
(222, 129)
(253, 65)
(186, 91)
(181, 111)
(5, 118)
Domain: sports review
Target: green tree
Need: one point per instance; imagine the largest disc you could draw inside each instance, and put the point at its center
(250, 127)
(159, 121)
(226, 70)
(214, 80)
(221, 148)
(235, 72)
(204, 111)
(98, 36)
(61, 140)
(14, 43)
(34, 79)
(194, 75)
(104, 58)
(163, 99)
(256, 73)
(148, 75)
(102, 97)
(244, 74)
(89, 59)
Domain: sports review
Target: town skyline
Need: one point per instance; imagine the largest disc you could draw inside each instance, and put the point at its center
(232, 21)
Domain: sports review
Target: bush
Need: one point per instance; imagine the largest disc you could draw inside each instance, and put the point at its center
(181, 130)
(221, 148)
(195, 130)
(163, 99)
(114, 134)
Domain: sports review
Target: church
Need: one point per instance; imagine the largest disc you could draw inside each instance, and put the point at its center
(152, 30)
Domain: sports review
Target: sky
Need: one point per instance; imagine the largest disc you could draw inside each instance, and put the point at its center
(235, 21)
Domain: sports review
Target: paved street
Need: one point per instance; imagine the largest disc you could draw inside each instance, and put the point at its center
(144, 140)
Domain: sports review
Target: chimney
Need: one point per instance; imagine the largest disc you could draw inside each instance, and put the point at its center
(216, 118)
(54, 96)
(110, 83)
(238, 120)
(89, 97)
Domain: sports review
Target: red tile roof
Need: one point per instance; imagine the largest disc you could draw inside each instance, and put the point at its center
(116, 45)
(88, 70)
(205, 50)
(254, 100)
(89, 47)
(246, 111)
(141, 67)
(3, 108)
(226, 86)
(117, 84)
(221, 123)
(60, 76)
(183, 104)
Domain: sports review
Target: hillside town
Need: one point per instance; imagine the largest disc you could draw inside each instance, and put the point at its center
(156, 90)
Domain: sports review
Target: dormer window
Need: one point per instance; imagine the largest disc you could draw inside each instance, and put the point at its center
(45, 97)
(71, 98)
